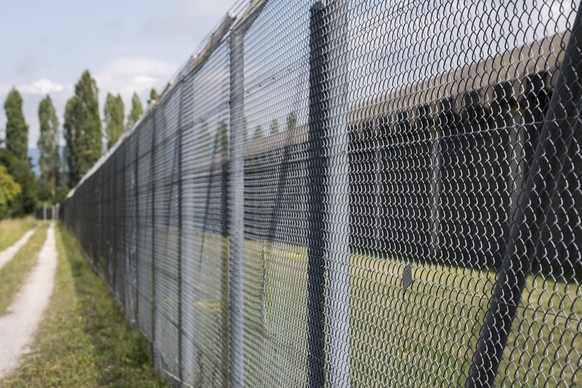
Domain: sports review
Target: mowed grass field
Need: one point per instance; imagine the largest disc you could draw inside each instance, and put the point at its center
(424, 336)
(12, 229)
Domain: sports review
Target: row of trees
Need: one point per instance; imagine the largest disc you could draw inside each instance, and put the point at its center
(83, 127)
(84, 134)
(20, 190)
(273, 127)
(221, 137)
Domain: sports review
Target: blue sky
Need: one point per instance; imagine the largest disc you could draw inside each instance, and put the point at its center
(127, 45)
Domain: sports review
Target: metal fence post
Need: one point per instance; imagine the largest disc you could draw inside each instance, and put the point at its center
(562, 111)
(236, 230)
(317, 171)
(236, 192)
(137, 221)
(153, 242)
(179, 134)
(339, 212)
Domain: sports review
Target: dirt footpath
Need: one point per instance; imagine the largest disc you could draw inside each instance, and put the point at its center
(19, 324)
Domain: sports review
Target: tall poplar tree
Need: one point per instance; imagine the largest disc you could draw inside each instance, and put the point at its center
(291, 120)
(204, 139)
(113, 117)
(83, 128)
(258, 133)
(136, 111)
(274, 127)
(222, 137)
(15, 156)
(153, 96)
(48, 144)
(16, 127)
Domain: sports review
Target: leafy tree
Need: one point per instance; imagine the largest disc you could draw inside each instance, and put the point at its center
(113, 117)
(16, 127)
(43, 193)
(64, 159)
(9, 189)
(245, 130)
(72, 126)
(153, 96)
(258, 133)
(204, 136)
(83, 128)
(291, 120)
(19, 169)
(136, 111)
(274, 127)
(63, 167)
(48, 145)
(222, 137)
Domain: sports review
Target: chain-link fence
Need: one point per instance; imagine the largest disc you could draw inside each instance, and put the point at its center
(365, 193)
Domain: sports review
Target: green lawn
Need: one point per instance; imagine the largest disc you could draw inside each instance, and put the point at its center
(84, 340)
(14, 274)
(424, 336)
(11, 230)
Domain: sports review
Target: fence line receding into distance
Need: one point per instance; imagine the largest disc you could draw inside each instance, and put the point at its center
(364, 193)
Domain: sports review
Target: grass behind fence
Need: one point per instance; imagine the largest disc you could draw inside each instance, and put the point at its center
(427, 333)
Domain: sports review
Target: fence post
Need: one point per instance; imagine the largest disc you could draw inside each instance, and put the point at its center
(317, 171)
(179, 134)
(236, 191)
(339, 211)
(563, 112)
(236, 208)
(136, 221)
(112, 235)
(153, 237)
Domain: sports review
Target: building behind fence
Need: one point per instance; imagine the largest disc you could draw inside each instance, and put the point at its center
(365, 193)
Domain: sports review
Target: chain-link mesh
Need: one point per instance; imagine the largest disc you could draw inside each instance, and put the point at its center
(365, 193)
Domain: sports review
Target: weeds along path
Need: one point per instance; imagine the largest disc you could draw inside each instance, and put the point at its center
(18, 326)
(8, 254)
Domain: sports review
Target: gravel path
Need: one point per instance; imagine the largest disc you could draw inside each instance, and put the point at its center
(19, 324)
(8, 254)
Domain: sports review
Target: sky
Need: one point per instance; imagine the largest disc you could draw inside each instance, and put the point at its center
(131, 46)
(127, 45)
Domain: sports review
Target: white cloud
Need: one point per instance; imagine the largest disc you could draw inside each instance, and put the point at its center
(126, 75)
(144, 80)
(41, 86)
(138, 65)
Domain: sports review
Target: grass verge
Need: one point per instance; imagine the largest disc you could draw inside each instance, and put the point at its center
(14, 273)
(84, 340)
(11, 230)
